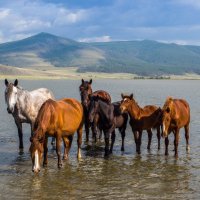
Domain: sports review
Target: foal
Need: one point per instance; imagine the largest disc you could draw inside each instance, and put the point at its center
(110, 118)
(141, 119)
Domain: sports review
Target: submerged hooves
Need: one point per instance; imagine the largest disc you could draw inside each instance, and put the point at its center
(60, 165)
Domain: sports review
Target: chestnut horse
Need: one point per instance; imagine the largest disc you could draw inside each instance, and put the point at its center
(59, 119)
(86, 92)
(110, 118)
(141, 119)
(175, 115)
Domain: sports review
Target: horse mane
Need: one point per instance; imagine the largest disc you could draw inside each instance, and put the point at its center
(168, 102)
(44, 115)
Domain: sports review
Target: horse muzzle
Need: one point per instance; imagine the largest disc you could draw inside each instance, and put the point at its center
(36, 171)
(10, 111)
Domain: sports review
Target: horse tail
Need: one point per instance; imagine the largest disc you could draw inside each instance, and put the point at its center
(44, 115)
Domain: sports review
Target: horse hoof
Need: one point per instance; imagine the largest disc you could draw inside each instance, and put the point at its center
(44, 164)
(65, 157)
(60, 165)
(188, 149)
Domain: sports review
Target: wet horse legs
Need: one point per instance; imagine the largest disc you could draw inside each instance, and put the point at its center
(45, 151)
(58, 149)
(67, 145)
(187, 137)
(20, 134)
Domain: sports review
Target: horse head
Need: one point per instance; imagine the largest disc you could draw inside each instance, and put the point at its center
(11, 95)
(85, 90)
(167, 111)
(125, 103)
(36, 150)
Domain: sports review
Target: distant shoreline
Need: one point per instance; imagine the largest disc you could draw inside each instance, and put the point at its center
(71, 73)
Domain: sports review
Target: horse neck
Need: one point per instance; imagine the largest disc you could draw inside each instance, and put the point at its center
(135, 111)
(104, 110)
(21, 99)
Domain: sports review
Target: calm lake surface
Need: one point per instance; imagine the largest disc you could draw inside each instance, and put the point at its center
(149, 176)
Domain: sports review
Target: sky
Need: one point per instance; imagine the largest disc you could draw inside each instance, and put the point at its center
(171, 21)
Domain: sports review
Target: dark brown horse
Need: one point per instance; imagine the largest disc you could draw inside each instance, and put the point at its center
(175, 115)
(141, 119)
(59, 119)
(110, 118)
(86, 92)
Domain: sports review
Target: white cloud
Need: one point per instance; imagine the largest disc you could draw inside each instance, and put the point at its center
(26, 17)
(104, 38)
(193, 3)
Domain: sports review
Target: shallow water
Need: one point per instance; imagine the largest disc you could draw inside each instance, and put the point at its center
(149, 176)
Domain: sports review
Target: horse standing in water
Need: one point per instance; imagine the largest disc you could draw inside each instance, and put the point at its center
(86, 92)
(24, 105)
(59, 119)
(109, 119)
(141, 119)
(175, 115)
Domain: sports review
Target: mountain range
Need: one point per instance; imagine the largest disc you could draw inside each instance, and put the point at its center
(146, 57)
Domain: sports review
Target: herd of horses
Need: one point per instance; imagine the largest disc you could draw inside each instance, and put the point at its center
(62, 118)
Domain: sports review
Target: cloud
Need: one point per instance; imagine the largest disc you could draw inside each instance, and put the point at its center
(25, 17)
(105, 38)
(194, 3)
(93, 21)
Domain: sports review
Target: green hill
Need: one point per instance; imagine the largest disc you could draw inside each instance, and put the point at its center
(139, 57)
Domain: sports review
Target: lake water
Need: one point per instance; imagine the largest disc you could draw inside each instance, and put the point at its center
(149, 176)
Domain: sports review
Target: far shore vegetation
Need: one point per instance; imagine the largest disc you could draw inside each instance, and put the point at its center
(71, 73)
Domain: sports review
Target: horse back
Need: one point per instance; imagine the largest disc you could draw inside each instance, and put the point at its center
(70, 113)
(102, 95)
(181, 112)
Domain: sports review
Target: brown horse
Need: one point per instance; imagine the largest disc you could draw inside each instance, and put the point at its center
(175, 115)
(86, 92)
(59, 119)
(141, 119)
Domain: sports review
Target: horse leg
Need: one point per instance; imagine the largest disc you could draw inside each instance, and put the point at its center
(58, 149)
(176, 141)
(79, 141)
(67, 144)
(139, 142)
(158, 136)
(20, 134)
(106, 135)
(45, 151)
(135, 133)
(112, 141)
(122, 131)
(187, 136)
(166, 146)
(94, 132)
(87, 130)
(149, 138)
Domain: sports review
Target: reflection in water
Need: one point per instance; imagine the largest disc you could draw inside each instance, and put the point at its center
(127, 175)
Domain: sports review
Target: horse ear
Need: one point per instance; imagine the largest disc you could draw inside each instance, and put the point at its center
(131, 96)
(16, 82)
(122, 95)
(6, 82)
(90, 81)
(82, 81)
(168, 110)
